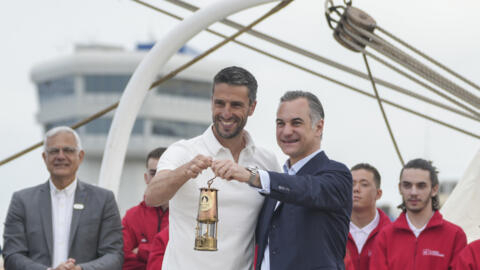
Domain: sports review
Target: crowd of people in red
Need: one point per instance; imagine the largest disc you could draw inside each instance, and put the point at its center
(420, 238)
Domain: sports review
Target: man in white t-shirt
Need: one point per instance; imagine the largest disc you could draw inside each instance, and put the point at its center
(185, 167)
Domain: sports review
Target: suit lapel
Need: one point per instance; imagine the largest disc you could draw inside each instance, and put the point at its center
(270, 207)
(78, 209)
(270, 211)
(45, 205)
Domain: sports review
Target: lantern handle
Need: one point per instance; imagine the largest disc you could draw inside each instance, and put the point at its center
(209, 183)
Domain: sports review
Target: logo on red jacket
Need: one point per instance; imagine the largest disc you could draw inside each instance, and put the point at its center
(429, 252)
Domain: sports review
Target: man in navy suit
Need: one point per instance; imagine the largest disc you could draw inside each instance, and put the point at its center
(304, 221)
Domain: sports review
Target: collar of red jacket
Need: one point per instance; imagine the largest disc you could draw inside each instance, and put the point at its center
(144, 205)
(384, 220)
(401, 221)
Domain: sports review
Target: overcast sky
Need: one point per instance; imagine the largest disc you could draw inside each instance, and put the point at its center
(37, 31)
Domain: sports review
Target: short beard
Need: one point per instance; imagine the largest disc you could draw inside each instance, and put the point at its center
(417, 210)
(235, 133)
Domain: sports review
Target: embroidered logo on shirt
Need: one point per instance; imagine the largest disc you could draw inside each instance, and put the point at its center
(429, 252)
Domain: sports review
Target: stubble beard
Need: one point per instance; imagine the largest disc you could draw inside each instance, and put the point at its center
(240, 125)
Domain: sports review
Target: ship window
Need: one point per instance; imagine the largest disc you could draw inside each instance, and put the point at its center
(106, 83)
(55, 88)
(102, 126)
(178, 129)
(186, 88)
(63, 122)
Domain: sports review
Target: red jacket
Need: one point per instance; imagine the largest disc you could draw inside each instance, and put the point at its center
(469, 258)
(397, 248)
(159, 244)
(140, 225)
(348, 261)
(361, 261)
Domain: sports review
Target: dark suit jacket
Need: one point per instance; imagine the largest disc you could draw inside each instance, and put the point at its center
(309, 229)
(95, 236)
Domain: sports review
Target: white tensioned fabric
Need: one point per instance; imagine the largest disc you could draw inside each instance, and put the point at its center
(137, 88)
(461, 206)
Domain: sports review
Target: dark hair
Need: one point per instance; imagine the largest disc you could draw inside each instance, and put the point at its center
(237, 76)
(316, 109)
(426, 165)
(370, 168)
(155, 154)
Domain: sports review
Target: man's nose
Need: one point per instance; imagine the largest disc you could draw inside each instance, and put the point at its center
(61, 154)
(287, 129)
(227, 111)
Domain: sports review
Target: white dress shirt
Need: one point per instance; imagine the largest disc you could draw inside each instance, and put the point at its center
(265, 180)
(238, 207)
(414, 229)
(360, 235)
(62, 208)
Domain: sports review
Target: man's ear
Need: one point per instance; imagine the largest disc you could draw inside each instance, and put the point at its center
(319, 127)
(251, 108)
(81, 155)
(435, 190)
(379, 194)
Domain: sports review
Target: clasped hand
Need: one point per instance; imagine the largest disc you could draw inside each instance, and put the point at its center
(68, 265)
(226, 169)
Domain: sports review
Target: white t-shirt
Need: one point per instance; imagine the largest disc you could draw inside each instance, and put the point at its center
(416, 231)
(360, 235)
(238, 207)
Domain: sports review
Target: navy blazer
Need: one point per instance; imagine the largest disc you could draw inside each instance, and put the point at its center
(309, 228)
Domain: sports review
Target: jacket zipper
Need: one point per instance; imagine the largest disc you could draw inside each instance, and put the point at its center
(415, 254)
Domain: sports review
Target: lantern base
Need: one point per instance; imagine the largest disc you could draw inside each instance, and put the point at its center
(203, 243)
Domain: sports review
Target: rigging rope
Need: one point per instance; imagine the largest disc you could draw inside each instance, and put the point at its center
(172, 74)
(428, 58)
(300, 51)
(436, 91)
(377, 96)
(382, 46)
(316, 57)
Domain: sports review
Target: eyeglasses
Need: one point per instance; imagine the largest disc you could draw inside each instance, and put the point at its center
(67, 150)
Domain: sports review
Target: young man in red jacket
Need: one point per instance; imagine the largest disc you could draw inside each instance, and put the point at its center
(420, 238)
(141, 223)
(469, 258)
(366, 220)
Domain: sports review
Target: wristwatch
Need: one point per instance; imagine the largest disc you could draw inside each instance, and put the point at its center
(253, 175)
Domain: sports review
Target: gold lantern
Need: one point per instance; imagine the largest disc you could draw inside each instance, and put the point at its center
(207, 219)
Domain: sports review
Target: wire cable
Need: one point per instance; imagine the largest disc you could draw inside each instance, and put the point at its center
(321, 59)
(384, 115)
(170, 75)
(433, 61)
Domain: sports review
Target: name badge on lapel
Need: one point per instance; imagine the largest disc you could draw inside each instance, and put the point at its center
(78, 206)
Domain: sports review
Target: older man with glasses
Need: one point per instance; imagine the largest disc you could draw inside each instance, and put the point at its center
(64, 223)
